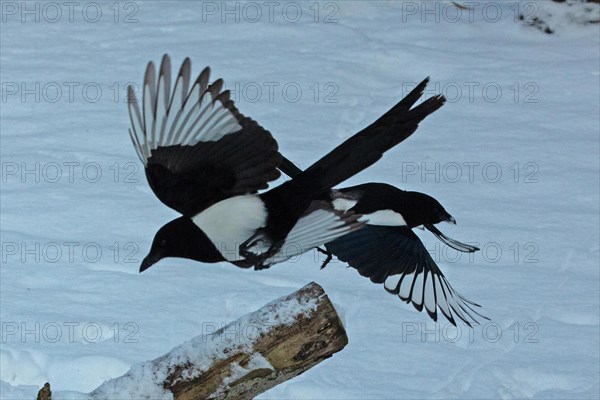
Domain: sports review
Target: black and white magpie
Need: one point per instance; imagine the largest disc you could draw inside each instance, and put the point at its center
(387, 251)
(386, 205)
(207, 161)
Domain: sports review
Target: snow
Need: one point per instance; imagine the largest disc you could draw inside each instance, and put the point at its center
(196, 355)
(513, 155)
(552, 16)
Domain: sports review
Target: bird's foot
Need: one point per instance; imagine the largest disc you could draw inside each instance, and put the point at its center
(327, 259)
(265, 260)
(260, 259)
(247, 248)
(260, 266)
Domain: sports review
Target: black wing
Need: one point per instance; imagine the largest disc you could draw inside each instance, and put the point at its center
(396, 257)
(196, 146)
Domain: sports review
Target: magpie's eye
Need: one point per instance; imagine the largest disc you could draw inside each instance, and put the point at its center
(163, 243)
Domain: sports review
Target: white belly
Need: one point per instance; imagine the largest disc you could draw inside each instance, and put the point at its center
(383, 218)
(231, 222)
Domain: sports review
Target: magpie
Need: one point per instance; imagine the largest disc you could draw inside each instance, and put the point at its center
(387, 250)
(206, 160)
(390, 205)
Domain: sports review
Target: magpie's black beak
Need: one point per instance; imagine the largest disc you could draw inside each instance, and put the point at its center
(149, 261)
(451, 220)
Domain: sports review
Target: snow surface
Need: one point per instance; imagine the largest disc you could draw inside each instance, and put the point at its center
(553, 15)
(144, 380)
(521, 104)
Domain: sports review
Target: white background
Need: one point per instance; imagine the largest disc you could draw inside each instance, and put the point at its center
(522, 104)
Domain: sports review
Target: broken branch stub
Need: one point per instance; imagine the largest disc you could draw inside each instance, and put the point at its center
(247, 357)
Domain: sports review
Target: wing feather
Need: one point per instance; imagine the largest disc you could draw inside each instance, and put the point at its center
(319, 224)
(396, 257)
(196, 146)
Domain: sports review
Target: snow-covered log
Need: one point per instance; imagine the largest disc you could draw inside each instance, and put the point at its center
(243, 359)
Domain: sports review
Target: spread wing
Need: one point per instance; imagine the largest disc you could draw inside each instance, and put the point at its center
(318, 225)
(396, 257)
(197, 148)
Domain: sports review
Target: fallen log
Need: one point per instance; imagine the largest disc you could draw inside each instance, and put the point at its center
(243, 359)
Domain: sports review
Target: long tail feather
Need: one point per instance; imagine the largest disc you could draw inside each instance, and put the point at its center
(367, 146)
(455, 244)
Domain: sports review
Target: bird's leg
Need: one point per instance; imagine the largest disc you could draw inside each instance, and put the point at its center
(274, 249)
(264, 261)
(249, 243)
(261, 260)
(328, 259)
(260, 266)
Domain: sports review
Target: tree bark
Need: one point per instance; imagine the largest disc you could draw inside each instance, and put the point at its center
(247, 357)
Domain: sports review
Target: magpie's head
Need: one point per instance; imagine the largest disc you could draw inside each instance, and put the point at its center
(426, 210)
(183, 239)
